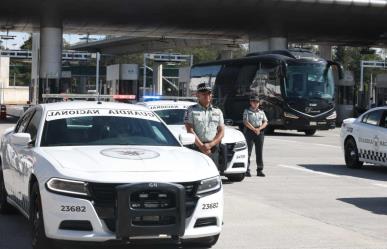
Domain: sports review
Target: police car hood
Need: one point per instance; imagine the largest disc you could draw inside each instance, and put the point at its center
(231, 135)
(130, 163)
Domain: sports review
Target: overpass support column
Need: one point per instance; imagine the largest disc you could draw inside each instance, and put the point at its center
(272, 43)
(226, 54)
(158, 78)
(34, 88)
(51, 42)
(259, 45)
(278, 43)
(325, 51)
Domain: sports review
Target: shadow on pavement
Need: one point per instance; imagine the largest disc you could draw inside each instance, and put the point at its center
(370, 172)
(9, 120)
(294, 134)
(376, 205)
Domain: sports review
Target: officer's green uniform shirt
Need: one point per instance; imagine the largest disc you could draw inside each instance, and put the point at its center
(204, 121)
(255, 118)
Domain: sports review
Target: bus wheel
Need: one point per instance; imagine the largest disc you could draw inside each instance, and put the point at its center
(352, 155)
(310, 132)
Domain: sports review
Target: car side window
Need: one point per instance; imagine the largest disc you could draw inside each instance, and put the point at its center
(373, 118)
(383, 121)
(24, 122)
(33, 125)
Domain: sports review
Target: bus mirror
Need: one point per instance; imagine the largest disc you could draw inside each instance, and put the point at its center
(340, 69)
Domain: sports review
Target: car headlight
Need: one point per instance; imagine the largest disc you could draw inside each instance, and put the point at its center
(332, 116)
(240, 146)
(209, 186)
(289, 115)
(69, 187)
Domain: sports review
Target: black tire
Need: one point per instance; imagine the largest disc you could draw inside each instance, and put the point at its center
(5, 207)
(205, 242)
(310, 132)
(236, 177)
(39, 239)
(351, 154)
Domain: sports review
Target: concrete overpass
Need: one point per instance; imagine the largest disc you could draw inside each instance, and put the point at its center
(267, 24)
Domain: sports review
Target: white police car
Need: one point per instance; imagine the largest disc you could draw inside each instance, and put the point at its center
(108, 172)
(233, 149)
(364, 139)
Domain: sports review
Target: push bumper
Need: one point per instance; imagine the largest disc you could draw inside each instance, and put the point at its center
(57, 209)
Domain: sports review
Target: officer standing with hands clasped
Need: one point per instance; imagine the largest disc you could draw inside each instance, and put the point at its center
(206, 123)
(255, 121)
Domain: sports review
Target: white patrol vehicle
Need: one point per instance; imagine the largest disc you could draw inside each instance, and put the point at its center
(108, 172)
(364, 139)
(233, 149)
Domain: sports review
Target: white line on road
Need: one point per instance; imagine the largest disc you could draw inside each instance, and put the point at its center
(292, 141)
(307, 170)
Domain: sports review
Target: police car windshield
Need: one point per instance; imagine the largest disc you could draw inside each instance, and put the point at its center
(106, 130)
(172, 116)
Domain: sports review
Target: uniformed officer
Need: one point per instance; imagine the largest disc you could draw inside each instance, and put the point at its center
(255, 121)
(206, 123)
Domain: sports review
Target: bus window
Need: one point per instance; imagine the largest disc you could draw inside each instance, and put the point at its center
(245, 77)
(267, 81)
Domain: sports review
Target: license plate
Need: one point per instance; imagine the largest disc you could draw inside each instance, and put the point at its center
(322, 123)
(312, 123)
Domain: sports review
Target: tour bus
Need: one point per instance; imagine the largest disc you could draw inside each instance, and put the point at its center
(295, 86)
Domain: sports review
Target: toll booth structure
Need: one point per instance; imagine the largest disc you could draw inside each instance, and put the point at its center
(121, 79)
(345, 89)
(380, 90)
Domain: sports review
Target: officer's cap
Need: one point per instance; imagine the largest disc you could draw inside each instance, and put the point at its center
(204, 87)
(254, 97)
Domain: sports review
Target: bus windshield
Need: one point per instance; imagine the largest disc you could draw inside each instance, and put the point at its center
(309, 81)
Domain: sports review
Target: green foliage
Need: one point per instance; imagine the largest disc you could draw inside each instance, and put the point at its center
(350, 58)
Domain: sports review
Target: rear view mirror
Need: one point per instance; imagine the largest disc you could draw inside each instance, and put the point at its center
(187, 138)
(22, 139)
(340, 68)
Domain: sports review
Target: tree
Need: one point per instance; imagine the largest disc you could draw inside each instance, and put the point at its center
(27, 45)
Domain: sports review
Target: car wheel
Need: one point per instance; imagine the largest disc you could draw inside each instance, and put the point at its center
(205, 242)
(5, 207)
(236, 177)
(352, 155)
(39, 239)
(310, 132)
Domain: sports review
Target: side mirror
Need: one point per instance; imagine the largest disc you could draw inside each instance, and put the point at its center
(187, 138)
(340, 68)
(22, 139)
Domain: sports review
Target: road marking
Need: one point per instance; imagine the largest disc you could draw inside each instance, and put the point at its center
(307, 170)
(325, 145)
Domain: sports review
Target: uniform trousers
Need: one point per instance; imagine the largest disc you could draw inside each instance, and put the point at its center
(257, 140)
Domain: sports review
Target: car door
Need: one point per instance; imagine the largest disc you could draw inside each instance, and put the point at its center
(383, 139)
(368, 136)
(14, 157)
(27, 157)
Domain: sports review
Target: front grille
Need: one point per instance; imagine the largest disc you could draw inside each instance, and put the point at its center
(104, 197)
(230, 151)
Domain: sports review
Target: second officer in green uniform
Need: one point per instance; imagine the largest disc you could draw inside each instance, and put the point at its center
(206, 123)
(255, 122)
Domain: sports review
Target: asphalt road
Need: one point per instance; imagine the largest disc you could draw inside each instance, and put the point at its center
(308, 199)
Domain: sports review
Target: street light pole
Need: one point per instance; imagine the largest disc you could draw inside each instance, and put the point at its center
(97, 74)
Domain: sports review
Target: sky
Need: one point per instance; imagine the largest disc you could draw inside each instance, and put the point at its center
(20, 38)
